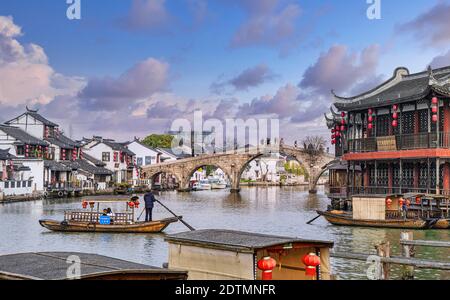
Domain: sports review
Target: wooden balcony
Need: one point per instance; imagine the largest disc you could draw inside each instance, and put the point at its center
(400, 142)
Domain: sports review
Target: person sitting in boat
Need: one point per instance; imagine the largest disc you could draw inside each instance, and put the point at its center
(149, 200)
(110, 214)
(105, 212)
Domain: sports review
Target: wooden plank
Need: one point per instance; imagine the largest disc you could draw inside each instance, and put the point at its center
(426, 243)
(422, 264)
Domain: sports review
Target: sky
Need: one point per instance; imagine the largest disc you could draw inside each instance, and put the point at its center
(130, 68)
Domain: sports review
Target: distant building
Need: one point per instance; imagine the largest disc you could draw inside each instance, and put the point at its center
(64, 168)
(116, 157)
(268, 168)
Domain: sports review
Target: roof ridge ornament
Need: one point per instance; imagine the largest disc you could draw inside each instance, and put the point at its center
(31, 110)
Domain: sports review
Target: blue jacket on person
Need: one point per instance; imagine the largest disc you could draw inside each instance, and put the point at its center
(149, 200)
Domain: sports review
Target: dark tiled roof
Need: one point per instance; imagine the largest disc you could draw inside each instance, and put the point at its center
(37, 116)
(56, 166)
(53, 265)
(62, 141)
(22, 136)
(83, 165)
(93, 160)
(4, 155)
(236, 239)
(409, 87)
(118, 147)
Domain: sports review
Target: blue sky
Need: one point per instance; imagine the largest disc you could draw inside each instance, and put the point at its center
(206, 53)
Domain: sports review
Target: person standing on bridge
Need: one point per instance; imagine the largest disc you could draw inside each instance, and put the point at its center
(149, 200)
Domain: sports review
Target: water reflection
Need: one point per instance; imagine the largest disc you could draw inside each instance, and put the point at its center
(273, 210)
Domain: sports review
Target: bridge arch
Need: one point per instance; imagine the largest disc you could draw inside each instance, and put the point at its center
(192, 171)
(154, 175)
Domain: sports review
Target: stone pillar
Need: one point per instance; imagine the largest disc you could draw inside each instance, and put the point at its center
(312, 180)
(235, 178)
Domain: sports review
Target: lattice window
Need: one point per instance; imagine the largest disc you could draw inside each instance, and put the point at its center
(408, 175)
(423, 120)
(382, 175)
(383, 124)
(372, 176)
(432, 174)
(407, 120)
(396, 175)
(423, 175)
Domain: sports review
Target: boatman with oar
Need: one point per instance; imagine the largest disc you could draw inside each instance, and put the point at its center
(149, 200)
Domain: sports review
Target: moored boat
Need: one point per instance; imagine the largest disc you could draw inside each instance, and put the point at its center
(346, 219)
(96, 221)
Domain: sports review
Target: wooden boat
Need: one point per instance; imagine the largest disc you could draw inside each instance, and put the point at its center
(95, 221)
(137, 227)
(346, 219)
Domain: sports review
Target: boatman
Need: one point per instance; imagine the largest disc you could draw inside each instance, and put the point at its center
(149, 200)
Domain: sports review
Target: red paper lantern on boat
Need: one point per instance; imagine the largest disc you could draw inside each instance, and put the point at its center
(84, 204)
(137, 203)
(389, 202)
(131, 204)
(418, 200)
(434, 100)
(266, 265)
(434, 109)
(435, 118)
(394, 123)
(311, 261)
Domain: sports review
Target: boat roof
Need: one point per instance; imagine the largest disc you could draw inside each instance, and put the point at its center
(237, 240)
(112, 199)
(53, 266)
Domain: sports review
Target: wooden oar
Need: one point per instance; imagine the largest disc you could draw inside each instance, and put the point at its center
(141, 214)
(309, 222)
(179, 218)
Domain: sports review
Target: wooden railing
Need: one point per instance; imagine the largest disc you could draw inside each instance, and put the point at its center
(94, 217)
(401, 142)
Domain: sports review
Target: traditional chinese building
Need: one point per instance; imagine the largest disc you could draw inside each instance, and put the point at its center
(394, 138)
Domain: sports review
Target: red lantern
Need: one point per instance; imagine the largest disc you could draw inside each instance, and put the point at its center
(394, 123)
(389, 202)
(434, 100)
(84, 204)
(342, 128)
(333, 130)
(343, 114)
(370, 111)
(131, 204)
(333, 142)
(370, 126)
(395, 107)
(266, 265)
(343, 122)
(311, 261)
(137, 203)
(338, 134)
(434, 109)
(418, 200)
(395, 116)
(370, 119)
(435, 118)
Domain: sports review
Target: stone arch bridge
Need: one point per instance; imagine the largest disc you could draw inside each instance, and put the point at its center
(233, 164)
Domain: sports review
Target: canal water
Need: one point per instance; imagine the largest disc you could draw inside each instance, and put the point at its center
(273, 210)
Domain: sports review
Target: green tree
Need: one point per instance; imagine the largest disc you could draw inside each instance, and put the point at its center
(158, 141)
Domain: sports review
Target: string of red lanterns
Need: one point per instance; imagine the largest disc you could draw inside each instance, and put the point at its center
(394, 115)
(370, 119)
(434, 109)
